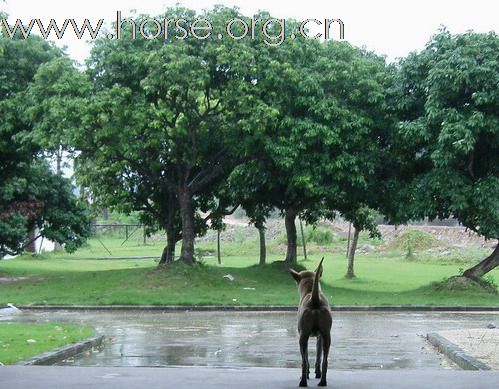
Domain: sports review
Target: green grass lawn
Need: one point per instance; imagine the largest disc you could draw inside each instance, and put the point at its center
(382, 279)
(20, 341)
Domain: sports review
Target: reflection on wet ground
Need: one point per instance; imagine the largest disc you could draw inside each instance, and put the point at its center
(361, 340)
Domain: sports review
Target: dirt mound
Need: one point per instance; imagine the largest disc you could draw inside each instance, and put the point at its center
(459, 283)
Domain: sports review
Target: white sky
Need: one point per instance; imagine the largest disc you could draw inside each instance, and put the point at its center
(391, 28)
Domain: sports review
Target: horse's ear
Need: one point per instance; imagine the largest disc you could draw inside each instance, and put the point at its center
(295, 275)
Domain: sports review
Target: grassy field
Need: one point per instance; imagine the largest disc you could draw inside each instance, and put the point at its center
(20, 341)
(383, 278)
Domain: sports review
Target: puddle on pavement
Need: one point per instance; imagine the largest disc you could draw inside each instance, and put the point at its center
(361, 340)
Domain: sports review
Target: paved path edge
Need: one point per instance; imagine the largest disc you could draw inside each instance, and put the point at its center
(61, 377)
(455, 353)
(64, 352)
(264, 308)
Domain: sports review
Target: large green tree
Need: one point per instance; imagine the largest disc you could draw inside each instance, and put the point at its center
(322, 149)
(54, 105)
(31, 195)
(167, 123)
(446, 155)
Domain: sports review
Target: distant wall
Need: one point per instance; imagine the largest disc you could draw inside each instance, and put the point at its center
(42, 244)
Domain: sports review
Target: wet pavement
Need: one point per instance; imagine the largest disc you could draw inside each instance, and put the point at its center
(50, 377)
(361, 340)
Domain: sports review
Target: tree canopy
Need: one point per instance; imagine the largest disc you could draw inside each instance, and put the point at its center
(167, 123)
(447, 159)
(31, 195)
(323, 147)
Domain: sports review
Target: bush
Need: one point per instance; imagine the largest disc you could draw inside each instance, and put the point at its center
(319, 236)
(316, 235)
(412, 240)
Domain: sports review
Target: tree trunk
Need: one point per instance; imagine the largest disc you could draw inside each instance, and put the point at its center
(289, 220)
(351, 254)
(31, 247)
(303, 239)
(482, 268)
(188, 231)
(172, 237)
(219, 256)
(349, 238)
(58, 158)
(168, 255)
(165, 256)
(263, 248)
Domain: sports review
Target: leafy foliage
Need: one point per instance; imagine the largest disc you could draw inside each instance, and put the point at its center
(449, 132)
(54, 102)
(446, 153)
(167, 123)
(319, 236)
(323, 149)
(31, 195)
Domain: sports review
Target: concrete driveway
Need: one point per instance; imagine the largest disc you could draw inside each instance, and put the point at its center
(57, 377)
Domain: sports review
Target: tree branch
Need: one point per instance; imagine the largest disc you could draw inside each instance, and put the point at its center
(5, 251)
(219, 212)
(470, 165)
(205, 175)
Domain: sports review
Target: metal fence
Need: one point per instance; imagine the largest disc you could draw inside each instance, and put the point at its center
(125, 231)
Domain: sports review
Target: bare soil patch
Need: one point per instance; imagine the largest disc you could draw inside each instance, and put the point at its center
(10, 280)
